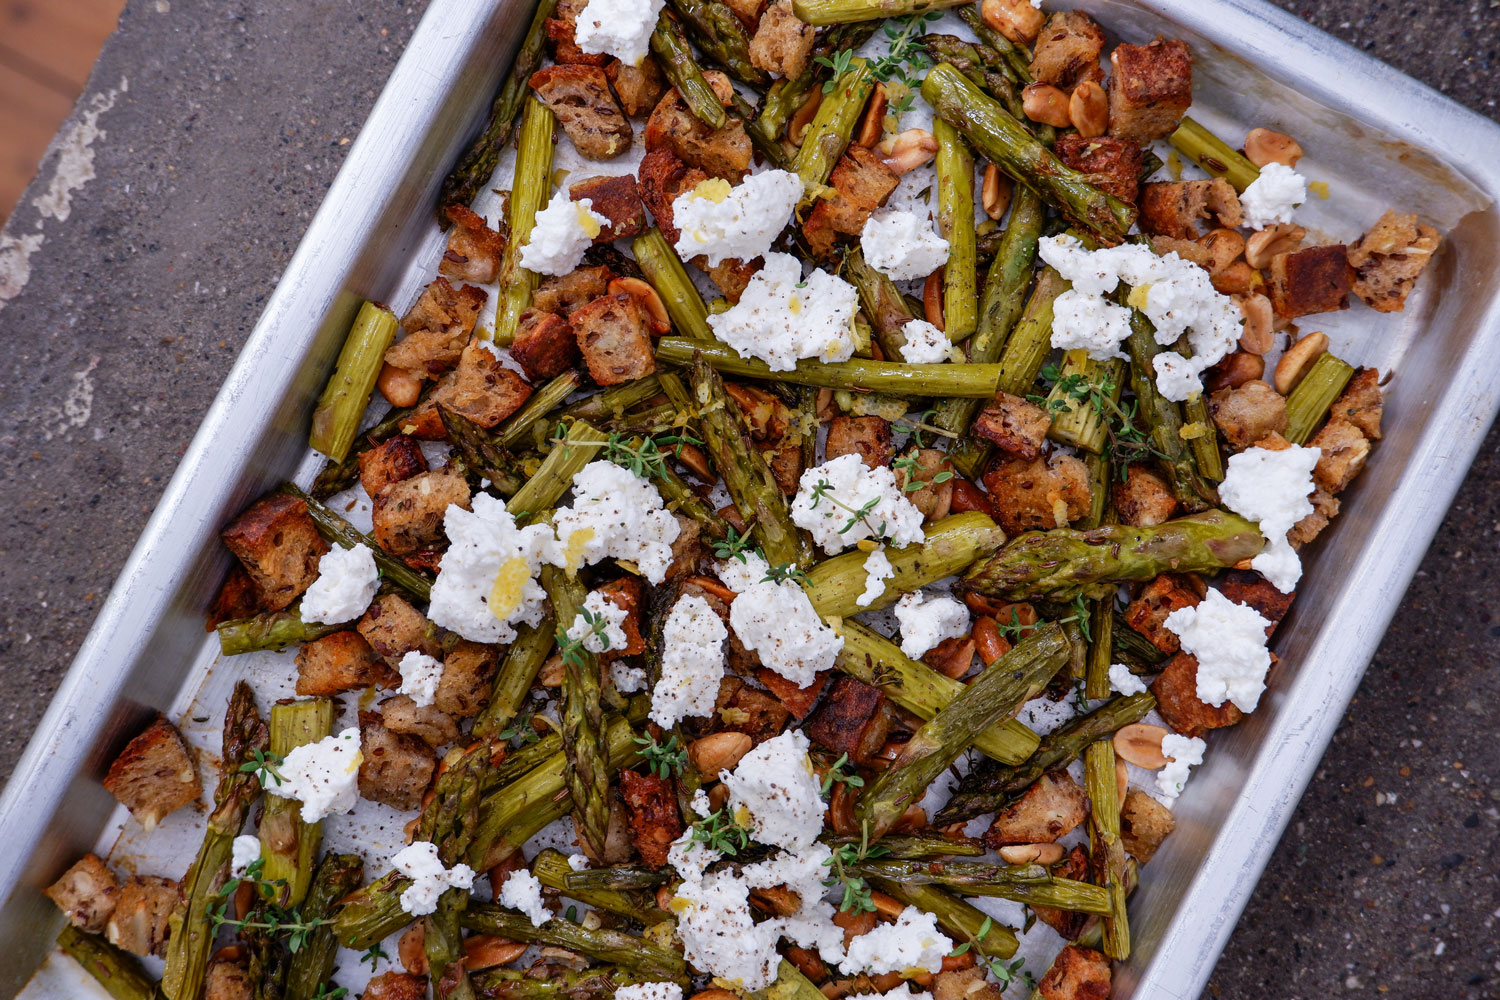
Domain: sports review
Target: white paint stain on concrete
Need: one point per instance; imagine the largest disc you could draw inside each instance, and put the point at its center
(15, 263)
(74, 166)
(77, 404)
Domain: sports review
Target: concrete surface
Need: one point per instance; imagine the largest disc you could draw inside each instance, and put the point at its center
(176, 195)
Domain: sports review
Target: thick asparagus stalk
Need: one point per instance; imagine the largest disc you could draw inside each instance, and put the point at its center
(1309, 402)
(1064, 563)
(828, 134)
(271, 630)
(335, 529)
(998, 692)
(663, 269)
(1106, 848)
(443, 943)
(614, 401)
(889, 377)
(117, 971)
(1213, 154)
(530, 190)
(1029, 884)
(1202, 438)
(881, 301)
(555, 476)
(1076, 421)
(584, 742)
(1163, 418)
(517, 428)
(615, 947)
(289, 846)
(478, 162)
(335, 422)
(597, 983)
(1014, 149)
(513, 681)
(720, 36)
(1102, 633)
(962, 920)
(339, 476)
(822, 12)
(984, 66)
(192, 932)
(312, 964)
(790, 984)
(955, 180)
(481, 452)
(916, 687)
(1030, 338)
(553, 871)
(675, 57)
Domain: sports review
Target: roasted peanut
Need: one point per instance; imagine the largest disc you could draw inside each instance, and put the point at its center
(718, 751)
(1122, 780)
(1017, 20)
(1045, 103)
(1088, 109)
(1224, 247)
(932, 299)
(872, 125)
(485, 951)
(1298, 358)
(1263, 146)
(1140, 744)
(551, 674)
(1234, 371)
(718, 796)
(399, 387)
(1280, 238)
(803, 116)
(1236, 279)
(693, 457)
(646, 296)
(908, 150)
(411, 950)
(1256, 336)
(995, 193)
(1028, 854)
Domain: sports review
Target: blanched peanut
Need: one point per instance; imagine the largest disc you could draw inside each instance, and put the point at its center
(872, 125)
(995, 193)
(909, 150)
(1224, 247)
(1256, 336)
(1032, 854)
(718, 751)
(1045, 103)
(399, 387)
(803, 116)
(1017, 20)
(1280, 238)
(1140, 744)
(1236, 279)
(932, 299)
(1294, 364)
(1088, 109)
(1234, 371)
(1264, 146)
(647, 298)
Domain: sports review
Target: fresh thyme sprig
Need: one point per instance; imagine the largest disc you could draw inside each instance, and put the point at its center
(521, 727)
(904, 62)
(837, 775)
(373, 955)
(733, 545)
(823, 490)
(276, 921)
(912, 467)
(856, 896)
(644, 456)
(1126, 442)
(782, 572)
(573, 651)
(721, 833)
(1014, 628)
(264, 767)
(665, 760)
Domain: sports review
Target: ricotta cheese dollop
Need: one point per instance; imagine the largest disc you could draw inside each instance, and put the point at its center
(777, 622)
(323, 776)
(420, 676)
(486, 581)
(925, 622)
(346, 584)
(1274, 489)
(649, 991)
(774, 783)
(609, 614)
(1229, 642)
(1122, 681)
(1273, 196)
(912, 942)
(925, 344)
(419, 862)
(902, 245)
(741, 221)
(878, 569)
(523, 891)
(844, 501)
(615, 515)
(563, 231)
(692, 662)
(1183, 753)
(619, 28)
(782, 317)
(243, 853)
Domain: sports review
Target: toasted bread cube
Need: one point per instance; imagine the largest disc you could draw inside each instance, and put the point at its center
(782, 42)
(585, 108)
(754, 713)
(1037, 494)
(869, 437)
(629, 594)
(1245, 586)
(408, 516)
(396, 768)
(1068, 923)
(1143, 498)
(1311, 280)
(1111, 164)
(1067, 50)
(722, 152)
(1014, 424)
(616, 198)
(560, 28)
(394, 628)
(798, 700)
(544, 346)
(465, 685)
(396, 986)
(390, 461)
(437, 327)
(239, 597)
(1174, 208)
(339, 662)
(155, 774)
(663, 176)
(1248, 414)
(1147, 614)
(426, 722)
(425, 423)
(861, 182)
(228, 978)
(731, 276)
(142, 910)
(86, 893)
(1076, 974)
(1144, 824)
(474, 248)
(1150, 89)
(786, 461)
(561, 295)
(748, 11)
(651, 809)
(851, 720)
(1361, 403)
(1176, 691)
(484, 390)
(1390, 258)
(637, 87)
(277, 542)
(1325, 509)
(1050, 809)
(1344, 449)
(614, 337)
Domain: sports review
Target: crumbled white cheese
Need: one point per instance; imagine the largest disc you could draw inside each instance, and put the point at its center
(522, 891)
(429, 879)
(1182, 753)
(924, 344)
(904, 991)
(776, 622)
(323, 776)
(782, 317)
(486, 581)
(803, 872)
(717, 932)
(902, 245)
(626, 677)
(1090, 322)
(912, 942)
(1229, 641)
(721, 222)
(927, 622)
(1272, 197)
(649, 991)
(619, 28)
(607, 613)
(878, 569)
(774, 783)
(615, 515)
(1274, 489)
(578, 862)
(420, 676)
(346, 584)
(1123, 681)
(844, 500)
(563, 231)
(692, 662)
(243, 853)
(742, 571)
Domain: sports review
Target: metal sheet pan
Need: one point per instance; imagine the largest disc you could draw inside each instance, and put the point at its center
(1378, 138)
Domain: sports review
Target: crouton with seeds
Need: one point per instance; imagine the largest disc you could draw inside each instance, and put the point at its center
(1050, 809)
(1361, 403)
(426, 722)
(1344, 451)
(339, 662)
(1037, 494)
(155, 774)
(744, 709)
(637, 87)
(544, 346)
(464, 689)
(861, 182)
(1176, 691)
(277, 542)
(437, 327)
(474, 248)
(585, 108)
(1325, 508)
(1015, 425)
(395, 769)
(139, 923)
(407, 517)
(1147, 614)
(731, 276)
(851, 720)
(614, 336)
(394, 628)
(484, 390)
(1310, 280)
(1144, 824)
(651, 809)
(783, 42)
(1067, 50)
(86, 893)
(1389, 259)
(1076, 974)
(1248, 414)
(1111, 164)
(1174, 208)
(1143, 498)
(719, 152)
(868, 436)
(1150, 89)
(239, 597)
(392, 460)
(228, 977)
(618, 199)
(1247, 587)
(564, 293)
(663, 176)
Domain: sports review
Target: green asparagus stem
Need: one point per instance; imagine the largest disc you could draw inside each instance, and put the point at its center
(960, 919)
(664, 270)
(1064, 563)
(1309, 402)
(555, 476)
(1204, 442)
(827, 136)
(871, 657)
(771, 151)
(889, 377)
(1017, 57)
(372, 913)
(597, 983)
(821, 12)
(1076, 421)
(998, 692)
(117, 971)
(339, 476)
(881, 301)
(1163, 419)
(513, 681)
(955, 180)
(779, 104)
(617, 948)
(1031, 338)
(477, 164)
(746, 475)
(720, 36)
(1102, 631)
(1092, 935)
(914, 846)
(1029, 884)
(985, 67)
(1014, 149)
(271, 630)
(1133, 649)
(443, 942)
(335, 529)
(481, 452)
(192, 932)
(517, 428)
(530, 189)
(615, 878)
(312, 964)
(614, 401)
(584, 742)
(289, 846)
(1213, 154)
(675, 57)
(790, 984)
(553, 871)
(335, 422)
(1106, 848)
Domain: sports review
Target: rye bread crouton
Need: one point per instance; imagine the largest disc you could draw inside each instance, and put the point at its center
(722, 152)
(544, 346)
(390, 461)
(1325, 508)
(651, 810)
(861, 182)
(1174, 208)
(786, 461)
(1248, 414)
(1014, 424)
(474, 248)
(783, 42)
(1389, 259)
(1111, 164)
(1344, 449)
(239, 597)
(394, 628)
(483, 390)
(396, 986)
(437, 327)
(1050, 809)
(1147, 614)
(139, 923)
(1067, 50)
(1037, 494)
(464, 688)
(1310, 280)
(663, 176)
(339, 662)
(277, 542)
(1247, 587)
(86, 893)
(731, 276)
(744, 709)
(228, 977)
(155, 774)
(614, 336)
(851, 720)
(618, 199)
(1150, 89)
(1143, 498)
(1361, 403)
(798, 700)
(407, 517)
(560, 29)
(564, 293)
(868, 436)
(403, 715)
(1176, 691)
(637, 87)
(585, 108)
(1144, 824)
(1076, 974)
(395, 768)
(1068, 923)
